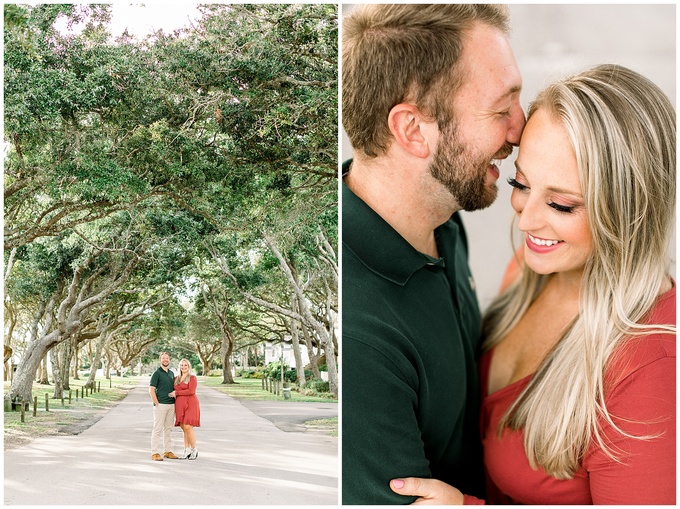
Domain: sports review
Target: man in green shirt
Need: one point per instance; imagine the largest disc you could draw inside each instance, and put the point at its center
(430, 100)
(162, 383)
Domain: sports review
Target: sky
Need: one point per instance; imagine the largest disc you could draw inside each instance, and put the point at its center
(143, 19)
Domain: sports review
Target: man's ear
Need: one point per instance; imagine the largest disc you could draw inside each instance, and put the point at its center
(411, 130)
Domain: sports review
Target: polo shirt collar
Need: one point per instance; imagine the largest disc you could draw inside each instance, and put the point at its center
(379, 247)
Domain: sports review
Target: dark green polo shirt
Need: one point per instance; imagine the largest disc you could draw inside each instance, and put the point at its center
(410, 338)
(164, 382)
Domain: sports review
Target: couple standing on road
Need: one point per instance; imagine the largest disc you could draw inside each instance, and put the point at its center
(174, 398)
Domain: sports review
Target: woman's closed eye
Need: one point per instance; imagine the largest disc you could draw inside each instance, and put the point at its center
(517, 185)
(561, 208)
(565, 209)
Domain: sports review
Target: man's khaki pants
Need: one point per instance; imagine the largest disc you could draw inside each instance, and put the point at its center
(163, 421)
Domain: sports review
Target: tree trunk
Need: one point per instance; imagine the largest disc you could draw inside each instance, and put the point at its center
(323, 335)
(8, 356)
(295, 341)
(226, 351)
(56, 373)
(107, 367)
(332, 367)
(76, 364)
(22, 384)
(43, 377)
(66, 358)
(227, 346)
(313, 356)
(96, 358)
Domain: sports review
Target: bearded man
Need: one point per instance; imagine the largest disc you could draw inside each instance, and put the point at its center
(430, 104)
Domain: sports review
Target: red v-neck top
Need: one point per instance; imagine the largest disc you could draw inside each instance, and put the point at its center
(641, 399)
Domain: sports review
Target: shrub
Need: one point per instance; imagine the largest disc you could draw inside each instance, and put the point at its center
(250, 373)
(319, 386)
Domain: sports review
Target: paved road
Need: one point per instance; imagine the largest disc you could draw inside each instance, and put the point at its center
(244, 460)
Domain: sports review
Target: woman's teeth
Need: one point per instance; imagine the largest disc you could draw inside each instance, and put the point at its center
(543, 242)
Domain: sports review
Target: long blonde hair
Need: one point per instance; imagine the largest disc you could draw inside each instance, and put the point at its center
(178, 378)
(622, 128)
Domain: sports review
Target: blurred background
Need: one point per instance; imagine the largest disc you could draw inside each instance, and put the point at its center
(551, 41)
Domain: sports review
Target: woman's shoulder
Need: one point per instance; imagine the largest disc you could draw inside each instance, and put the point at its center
(656, 350)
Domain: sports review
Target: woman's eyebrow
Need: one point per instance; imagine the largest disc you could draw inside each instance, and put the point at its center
(551, 188)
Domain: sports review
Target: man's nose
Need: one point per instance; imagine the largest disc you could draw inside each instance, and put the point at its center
(517, 121)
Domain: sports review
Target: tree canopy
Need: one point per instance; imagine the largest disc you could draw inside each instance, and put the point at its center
(197, 167)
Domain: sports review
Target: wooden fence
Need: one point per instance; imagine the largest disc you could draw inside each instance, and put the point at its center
(24, 406)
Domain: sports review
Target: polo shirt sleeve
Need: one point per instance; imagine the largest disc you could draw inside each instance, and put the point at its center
(154, 379)
(381, 439)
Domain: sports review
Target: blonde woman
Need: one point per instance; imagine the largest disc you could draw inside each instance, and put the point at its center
(578, 374)
(187, 408)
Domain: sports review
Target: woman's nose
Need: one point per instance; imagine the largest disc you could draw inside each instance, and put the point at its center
(530, 216)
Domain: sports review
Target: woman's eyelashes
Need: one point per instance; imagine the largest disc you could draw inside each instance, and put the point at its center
(561, 208)
(516, 185)
(565, 209)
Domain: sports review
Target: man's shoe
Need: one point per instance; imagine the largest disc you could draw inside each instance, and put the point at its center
(170, 455)
(156, 457)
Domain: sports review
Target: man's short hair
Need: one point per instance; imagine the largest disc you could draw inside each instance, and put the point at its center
(398, 53)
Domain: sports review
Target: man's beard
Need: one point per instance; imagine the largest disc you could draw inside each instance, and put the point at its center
(462, 172)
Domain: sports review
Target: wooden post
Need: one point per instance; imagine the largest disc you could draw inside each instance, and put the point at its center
(263, 383)
(23, 411)
(62, 398)
(47, 402)
(35, 406)
(99, 386)
(69, 396)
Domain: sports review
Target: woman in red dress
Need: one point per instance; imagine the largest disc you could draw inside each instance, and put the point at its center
(187, 409)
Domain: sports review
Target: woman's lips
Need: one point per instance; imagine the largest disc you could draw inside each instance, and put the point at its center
(540, 245)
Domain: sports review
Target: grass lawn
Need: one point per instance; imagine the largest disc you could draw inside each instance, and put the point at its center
(78, 415)
(69, 419)
(329, 426)
(251, 388)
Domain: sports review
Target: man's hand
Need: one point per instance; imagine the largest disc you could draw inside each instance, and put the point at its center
(152, 393)
(428, 491)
